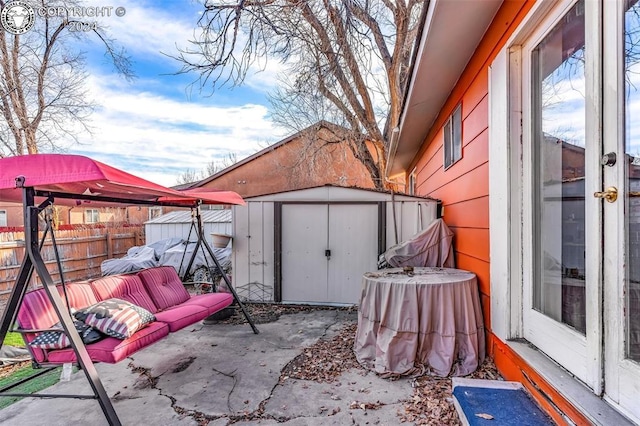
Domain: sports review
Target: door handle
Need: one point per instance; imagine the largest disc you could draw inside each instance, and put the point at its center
(327, 253)
(610, 194)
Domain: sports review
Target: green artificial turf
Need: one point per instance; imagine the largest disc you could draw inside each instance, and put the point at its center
(14, 339)
(32, 386)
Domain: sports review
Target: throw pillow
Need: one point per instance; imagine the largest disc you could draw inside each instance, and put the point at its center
(59, 340)
(115, 317)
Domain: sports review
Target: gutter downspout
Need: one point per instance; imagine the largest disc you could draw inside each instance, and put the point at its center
(395, 133)
(392, 147)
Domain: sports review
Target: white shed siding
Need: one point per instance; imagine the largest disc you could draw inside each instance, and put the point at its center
(256, 254)
(255, 244)
(411, 218)
(268, 261)
(253, 251)
(177, 224)
(242, 246)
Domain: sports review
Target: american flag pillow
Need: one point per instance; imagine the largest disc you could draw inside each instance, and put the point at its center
(115, 317)
(59, 340)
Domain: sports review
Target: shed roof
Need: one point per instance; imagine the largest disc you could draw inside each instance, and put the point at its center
(330, 191)
(183, 216)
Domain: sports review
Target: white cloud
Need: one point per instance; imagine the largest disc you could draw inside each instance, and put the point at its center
(147, 30)
(158, 138)
(149, 127)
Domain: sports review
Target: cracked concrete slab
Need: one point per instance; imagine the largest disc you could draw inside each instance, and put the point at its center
(357, 397)
(225, 374)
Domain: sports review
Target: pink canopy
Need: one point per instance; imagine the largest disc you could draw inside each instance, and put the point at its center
(68, 175)
(195, 194)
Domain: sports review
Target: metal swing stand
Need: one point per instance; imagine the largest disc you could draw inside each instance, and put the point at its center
(196, 224)
(33, 261)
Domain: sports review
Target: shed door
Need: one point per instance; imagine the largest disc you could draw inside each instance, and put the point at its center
(325, 251)
(304, 240)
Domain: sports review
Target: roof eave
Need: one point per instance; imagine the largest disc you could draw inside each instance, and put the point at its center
(451, 34)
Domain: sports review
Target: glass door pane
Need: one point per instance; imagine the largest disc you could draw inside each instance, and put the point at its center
(621, 224)
(558, 95)
(632, 176)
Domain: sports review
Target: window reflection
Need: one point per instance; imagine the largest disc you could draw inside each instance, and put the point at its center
(559, 139)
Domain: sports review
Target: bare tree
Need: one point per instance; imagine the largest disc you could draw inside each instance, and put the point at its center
(190, 176)
(43, 97)
(347, 62)
(213, 167)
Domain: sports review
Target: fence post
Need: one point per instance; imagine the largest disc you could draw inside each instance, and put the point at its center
(109, 246)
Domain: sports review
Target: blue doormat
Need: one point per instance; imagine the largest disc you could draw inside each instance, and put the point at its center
(496, 403)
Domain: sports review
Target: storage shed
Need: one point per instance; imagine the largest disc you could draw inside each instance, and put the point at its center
(313, 245)
(176, 224)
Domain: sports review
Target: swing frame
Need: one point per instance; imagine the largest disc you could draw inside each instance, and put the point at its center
(201, 242)
(115, 181)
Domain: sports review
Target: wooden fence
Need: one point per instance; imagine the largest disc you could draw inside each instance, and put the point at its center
(81, 252)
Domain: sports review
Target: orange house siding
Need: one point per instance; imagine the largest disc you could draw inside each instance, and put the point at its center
(464, 187)
(464, 191)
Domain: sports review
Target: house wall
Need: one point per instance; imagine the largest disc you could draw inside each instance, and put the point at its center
(291, 166)
(14, 214)
(134, 215)
(464, 191)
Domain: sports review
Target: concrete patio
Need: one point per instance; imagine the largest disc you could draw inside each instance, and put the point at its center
(220, 374)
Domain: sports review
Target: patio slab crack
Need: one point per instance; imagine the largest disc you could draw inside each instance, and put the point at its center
(233, 376)
(158, 375)
(260, 412)
(148, 380)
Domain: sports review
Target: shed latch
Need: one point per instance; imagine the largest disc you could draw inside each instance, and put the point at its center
(327, 253)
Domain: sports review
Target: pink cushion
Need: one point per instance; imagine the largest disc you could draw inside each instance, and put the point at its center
(125, 287)
(212, 301)
(164, 286)
(80, 294)
(112, 350)
(182, 316)
(36, 311)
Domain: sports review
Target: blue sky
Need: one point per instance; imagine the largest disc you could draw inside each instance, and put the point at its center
(153, 126)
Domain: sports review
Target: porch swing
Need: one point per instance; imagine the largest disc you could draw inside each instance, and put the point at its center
(75, 180)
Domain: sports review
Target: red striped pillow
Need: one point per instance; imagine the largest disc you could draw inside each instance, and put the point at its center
(115, 317)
